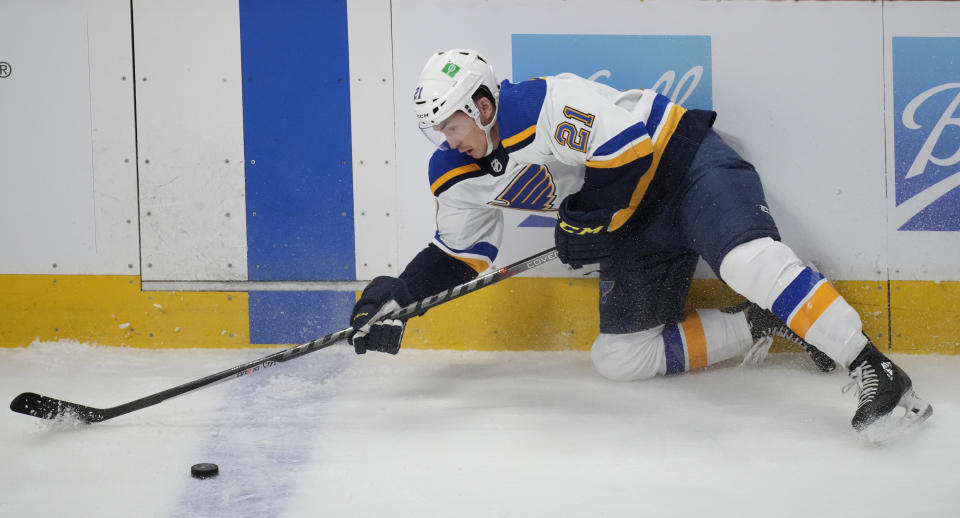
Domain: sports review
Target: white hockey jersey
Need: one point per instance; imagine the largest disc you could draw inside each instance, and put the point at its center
(559, 135)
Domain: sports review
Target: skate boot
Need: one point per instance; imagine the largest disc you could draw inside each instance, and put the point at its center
(881, 387)
(764, 325)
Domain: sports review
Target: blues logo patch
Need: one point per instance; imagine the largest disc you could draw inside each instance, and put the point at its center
(531, 189)
(926, 103)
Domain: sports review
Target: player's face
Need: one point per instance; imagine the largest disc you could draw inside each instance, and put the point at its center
(463, 134)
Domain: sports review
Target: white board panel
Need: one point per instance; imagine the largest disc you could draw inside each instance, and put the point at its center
(923, 255)
(113, 138)
(66, 116)
(190, 136)
(807, 110)
(372, 128)
(47, 214)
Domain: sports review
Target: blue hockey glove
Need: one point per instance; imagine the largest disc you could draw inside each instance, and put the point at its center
(581, 235)
(382, 296)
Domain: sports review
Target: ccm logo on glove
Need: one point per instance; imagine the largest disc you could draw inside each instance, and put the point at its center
(578, 231)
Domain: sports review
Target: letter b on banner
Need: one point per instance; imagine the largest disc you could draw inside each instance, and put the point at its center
(926, 101)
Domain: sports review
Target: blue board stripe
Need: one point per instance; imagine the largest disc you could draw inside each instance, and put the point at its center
(296, 317)
(795, 293)
(673, 346)
(296, 113)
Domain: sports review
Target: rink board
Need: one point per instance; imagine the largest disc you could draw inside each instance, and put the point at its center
(518, 314)
(241, 146)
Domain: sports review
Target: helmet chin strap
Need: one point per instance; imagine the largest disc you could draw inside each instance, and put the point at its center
(486, 132)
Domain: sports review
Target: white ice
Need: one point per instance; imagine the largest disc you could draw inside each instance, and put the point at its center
(443, 433)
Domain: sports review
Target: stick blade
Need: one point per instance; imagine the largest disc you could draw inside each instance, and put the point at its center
(45, 407)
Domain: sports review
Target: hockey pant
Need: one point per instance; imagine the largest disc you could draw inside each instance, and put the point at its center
(766, 272)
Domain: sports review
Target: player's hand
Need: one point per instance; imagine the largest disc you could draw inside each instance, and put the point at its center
(382, 296)
(581, 235)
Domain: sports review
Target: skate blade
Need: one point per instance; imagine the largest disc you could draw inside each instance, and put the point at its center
(917, 410)
(892, 427)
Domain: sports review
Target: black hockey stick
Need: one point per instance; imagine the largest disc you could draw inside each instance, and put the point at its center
(45, 407)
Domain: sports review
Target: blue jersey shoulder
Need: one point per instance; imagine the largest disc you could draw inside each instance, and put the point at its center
(520, 106)
(449, 167)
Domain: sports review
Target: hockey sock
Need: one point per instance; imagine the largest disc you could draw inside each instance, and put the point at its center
(768, 273)
(814, 310)
(704, 337)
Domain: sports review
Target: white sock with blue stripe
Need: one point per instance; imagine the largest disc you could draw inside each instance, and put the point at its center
(771, 275)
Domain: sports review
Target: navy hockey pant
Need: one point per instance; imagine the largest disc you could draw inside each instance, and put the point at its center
(718, 205)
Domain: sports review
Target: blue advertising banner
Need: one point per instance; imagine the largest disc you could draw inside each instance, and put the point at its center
(678, 67)
(926, 103)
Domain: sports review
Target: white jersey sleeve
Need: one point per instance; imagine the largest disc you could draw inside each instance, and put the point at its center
(467, 229)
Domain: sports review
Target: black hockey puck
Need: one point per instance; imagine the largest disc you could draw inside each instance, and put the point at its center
(204, 470)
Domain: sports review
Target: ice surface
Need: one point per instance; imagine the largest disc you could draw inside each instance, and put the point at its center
(444, 433)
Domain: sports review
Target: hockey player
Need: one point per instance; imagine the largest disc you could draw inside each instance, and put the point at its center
(641, 186)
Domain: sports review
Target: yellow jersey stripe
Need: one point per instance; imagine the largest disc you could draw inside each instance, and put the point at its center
(667, 127)
(634, 152)
(453, 173)
(519, 137)
(811, 310)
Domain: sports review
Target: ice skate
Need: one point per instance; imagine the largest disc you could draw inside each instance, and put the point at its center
(882, 386)
(764, 325)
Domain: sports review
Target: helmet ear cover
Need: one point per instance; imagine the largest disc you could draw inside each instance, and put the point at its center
(472, 109)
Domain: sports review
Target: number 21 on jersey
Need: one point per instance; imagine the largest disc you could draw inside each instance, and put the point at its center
(568, 135)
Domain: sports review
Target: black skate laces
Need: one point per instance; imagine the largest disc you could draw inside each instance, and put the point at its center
(866, 380)
(785, 332)
(764, 324)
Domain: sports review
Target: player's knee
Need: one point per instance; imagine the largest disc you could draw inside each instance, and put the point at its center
(629, 357)
(760, 269)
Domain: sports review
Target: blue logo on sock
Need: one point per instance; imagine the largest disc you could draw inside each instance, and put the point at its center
(605, 288)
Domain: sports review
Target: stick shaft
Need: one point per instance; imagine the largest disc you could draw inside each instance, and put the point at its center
(49, 408)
